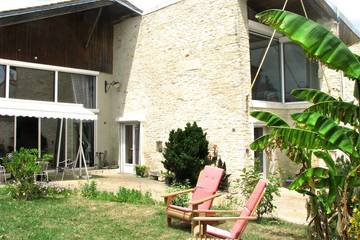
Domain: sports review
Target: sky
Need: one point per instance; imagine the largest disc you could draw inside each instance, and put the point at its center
(349, 8)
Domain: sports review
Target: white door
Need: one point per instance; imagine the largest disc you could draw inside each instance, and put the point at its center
(130, 146)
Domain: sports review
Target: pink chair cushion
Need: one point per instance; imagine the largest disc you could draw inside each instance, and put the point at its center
(200, 193)
(217, 232)
(249, 208)
(183, 209)
(210, 178)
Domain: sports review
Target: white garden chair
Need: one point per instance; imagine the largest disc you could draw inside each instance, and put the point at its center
(3, 174)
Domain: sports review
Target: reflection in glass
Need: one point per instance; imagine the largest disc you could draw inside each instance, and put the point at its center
(268, 84)
(50, 129)
(2, 80)
(7, 135)
(32, 84)
(299, 71)
(77, 88)
(73, 127)
(136, 143)
(27, 132)
(129, 144)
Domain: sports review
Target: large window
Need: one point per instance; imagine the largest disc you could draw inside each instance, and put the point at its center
(23, 132)
(285, 68)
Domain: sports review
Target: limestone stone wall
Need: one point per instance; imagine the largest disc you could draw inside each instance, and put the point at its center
(187, 62)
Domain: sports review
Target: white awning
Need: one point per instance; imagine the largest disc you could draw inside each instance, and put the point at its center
(39, 109)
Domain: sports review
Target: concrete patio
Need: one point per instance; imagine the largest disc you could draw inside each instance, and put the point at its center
(290, 205)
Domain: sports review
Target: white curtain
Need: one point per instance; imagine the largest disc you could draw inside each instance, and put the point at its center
(83, 89)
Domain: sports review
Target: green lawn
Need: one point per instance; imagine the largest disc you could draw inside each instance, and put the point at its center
(79, 218)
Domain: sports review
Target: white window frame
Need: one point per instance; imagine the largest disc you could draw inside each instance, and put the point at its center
(56, 69)
(121, 159)
(265, 31)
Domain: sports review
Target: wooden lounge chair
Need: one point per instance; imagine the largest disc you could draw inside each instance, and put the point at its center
(203, 229)
(202, 196)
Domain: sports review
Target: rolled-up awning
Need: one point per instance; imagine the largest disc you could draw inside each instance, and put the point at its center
(39, 109)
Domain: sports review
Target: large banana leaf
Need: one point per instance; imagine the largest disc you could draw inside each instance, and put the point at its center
(343, 138)
(271, 119)
(261, 143)
(317, 41)
(312, 95)
(315, 175)
(297, 137)
(345, 112)
(310, 173)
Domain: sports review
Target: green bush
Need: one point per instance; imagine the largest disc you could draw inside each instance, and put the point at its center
(133, 196)
(124, 195)
(141, 170)
(89, 190)
(181, 200)
(186, 153)
(23, 166)
(249, 179)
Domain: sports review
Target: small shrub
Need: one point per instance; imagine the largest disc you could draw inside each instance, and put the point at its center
(186, 153)
(354, 228)
(89, 190)
(133, 196)
(181, 200)
(141, 170)
(249, 179)
(124, 195)
(23, 166)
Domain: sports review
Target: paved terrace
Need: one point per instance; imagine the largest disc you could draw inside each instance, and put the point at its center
(290, 205)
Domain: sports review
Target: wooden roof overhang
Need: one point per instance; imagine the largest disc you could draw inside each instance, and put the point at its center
(115, 10)
(317, 10)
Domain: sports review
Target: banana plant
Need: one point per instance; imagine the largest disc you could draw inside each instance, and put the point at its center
(329, 125)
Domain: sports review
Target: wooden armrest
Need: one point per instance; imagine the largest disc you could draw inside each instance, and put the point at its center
(219, 211)
(177, 193)
(197, 202)
(216, 219)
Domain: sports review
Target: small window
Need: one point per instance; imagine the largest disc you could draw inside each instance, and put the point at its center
(77, 88)
(2, 80)
(31, 84)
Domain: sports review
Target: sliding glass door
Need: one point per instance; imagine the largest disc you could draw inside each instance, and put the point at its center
(58, 137)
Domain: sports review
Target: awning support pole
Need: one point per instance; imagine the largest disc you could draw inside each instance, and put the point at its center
(59, 146)
(80, 156)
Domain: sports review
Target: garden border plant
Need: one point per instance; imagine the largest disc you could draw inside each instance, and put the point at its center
(24, 165)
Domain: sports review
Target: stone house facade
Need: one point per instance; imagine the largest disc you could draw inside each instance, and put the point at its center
(191, 61)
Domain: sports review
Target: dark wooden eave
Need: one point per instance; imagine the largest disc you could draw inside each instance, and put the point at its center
(316, 10)
(119, 8)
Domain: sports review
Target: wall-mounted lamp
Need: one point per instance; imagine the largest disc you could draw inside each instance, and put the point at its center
(108, 85)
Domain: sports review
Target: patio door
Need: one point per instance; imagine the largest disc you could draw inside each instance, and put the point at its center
(130, 146)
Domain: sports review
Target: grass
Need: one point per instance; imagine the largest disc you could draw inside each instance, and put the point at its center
(78, 218)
